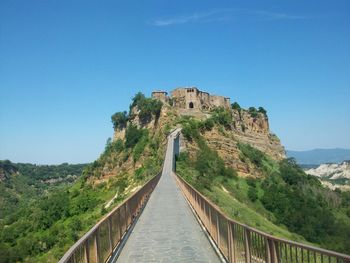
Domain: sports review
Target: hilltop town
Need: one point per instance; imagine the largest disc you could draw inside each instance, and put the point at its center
(191, 98)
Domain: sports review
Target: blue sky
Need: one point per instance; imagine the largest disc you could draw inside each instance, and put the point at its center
(66, 66)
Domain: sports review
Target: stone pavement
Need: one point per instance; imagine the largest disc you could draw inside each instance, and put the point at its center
(167, 230)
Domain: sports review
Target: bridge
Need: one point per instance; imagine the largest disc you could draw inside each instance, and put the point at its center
(167, 220)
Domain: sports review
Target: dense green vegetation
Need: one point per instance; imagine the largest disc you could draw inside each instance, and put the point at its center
(54, 222)
(192, 128)
(255, 112)
(235, 106)
(147, 107)
(119, 120)
(25, 182)
(285, 201)
(27, 209)
(42, 229)
(234, 195)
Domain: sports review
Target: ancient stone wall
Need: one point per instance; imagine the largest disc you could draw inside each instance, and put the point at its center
(192, 98)
(218, 101)
(160, 95)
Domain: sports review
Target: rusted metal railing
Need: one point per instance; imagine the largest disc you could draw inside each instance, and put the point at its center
(97, 245)
(240, 243)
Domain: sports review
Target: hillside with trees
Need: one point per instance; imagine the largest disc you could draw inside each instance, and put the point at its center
(45, 209)
(277, 197)
(228, 154)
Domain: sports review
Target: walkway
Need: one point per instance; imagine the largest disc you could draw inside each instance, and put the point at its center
(167, 230)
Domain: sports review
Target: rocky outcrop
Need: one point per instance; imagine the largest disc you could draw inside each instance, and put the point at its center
(256, 132)
(244, 129)
(333, 175)
(6, 170)
(332, 171)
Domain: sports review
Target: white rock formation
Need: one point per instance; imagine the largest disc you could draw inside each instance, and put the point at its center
(331, 171)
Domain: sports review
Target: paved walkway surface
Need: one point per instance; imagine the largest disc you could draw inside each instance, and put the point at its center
(167, 230)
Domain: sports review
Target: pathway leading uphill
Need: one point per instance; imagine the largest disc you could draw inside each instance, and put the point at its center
(167, 230)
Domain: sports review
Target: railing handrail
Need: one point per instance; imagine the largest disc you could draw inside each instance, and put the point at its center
(87, 235)
(271, 237)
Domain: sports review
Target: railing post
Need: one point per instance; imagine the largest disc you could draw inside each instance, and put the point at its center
(217, 230)
(271, 253)
(97, 244)
(247, 245)
(230, 242)
(233, 227)
(210, 229)
(111, 245)
(86, 252)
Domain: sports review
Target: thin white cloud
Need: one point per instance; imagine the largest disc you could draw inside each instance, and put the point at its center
(225, 15)
(195, 17)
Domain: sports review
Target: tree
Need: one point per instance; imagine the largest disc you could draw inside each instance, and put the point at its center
(149, 107)
(146, 106)
(235, 106)
(119, 120)
(253, 112)
(139, 97)
(222, 116)
(263, 111)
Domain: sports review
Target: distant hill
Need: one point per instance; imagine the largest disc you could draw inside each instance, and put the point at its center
(21, 183)
(320, 156)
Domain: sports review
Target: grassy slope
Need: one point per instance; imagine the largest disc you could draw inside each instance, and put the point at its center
(227, 195)
(284, 202)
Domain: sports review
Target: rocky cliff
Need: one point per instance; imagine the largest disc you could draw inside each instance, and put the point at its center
(241, 126)
(333, 175)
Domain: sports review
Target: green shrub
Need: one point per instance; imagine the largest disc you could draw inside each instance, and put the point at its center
(263, 111)
(206, 125)
(148, 107)
(132, 135)
(136, 100)
(119, 120)
(139, 173)
(190, 130)
(118, 145)
(253, 112)
(236, 106)
(252, 194)
(140, 146)
(222, 116)
(251, 182)
(254, 155)
(210, 165)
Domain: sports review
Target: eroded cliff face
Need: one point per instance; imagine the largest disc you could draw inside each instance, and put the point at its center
(244, 129)
(123, 163)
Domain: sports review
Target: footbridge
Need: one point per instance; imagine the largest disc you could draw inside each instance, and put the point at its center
(167, 220)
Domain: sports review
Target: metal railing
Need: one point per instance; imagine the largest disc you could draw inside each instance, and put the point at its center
(97, 245)
(240, 243)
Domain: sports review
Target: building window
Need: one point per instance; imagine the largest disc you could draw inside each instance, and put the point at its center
(190, 105)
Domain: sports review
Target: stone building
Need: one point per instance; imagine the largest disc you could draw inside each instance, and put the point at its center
(160, 95)
(191, 98)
